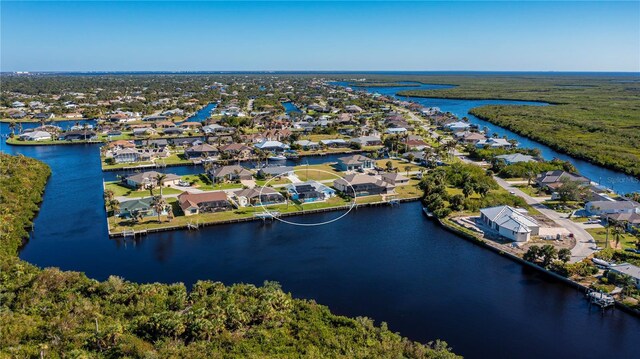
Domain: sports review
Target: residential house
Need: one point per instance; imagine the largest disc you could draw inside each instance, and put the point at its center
(272, 171)
(510, 223)
(458, 126)
(394, 178)
(631, 221)
(367, 141)
(231, 173)
(310, 191)
(628, 270)
(271, 146)
(335, 143)
(355, 163)
(308, 145)
(612, 207)
(206, 202)
(125, 155)
(494, 143)
(200, 151)
(142, 207)
(258, 196)
(148, 179)
(35, 136)
(79, 135)
(358, 185)
(554, 179)
(236, 150)
(515, 158)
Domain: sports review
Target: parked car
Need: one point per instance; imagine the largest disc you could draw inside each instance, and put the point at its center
(184, 183)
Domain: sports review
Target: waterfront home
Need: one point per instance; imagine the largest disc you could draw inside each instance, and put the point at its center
(79, 135)
(214, 128)
(510, 223)
(144, 131)
(155, 143)
(470, 137)
(148, 180)
(308, 145)
(43, 116)
(185, 141)
(358, 185)
(458, 126)
(236, 150)
(206, 202)
(172, 131)
(200, 151)
(494, 143)
(335, 143)
(309, 191)
(258, 196)
(612, 207)
(515, 158)
(554, 179)
(355, 163)
(120, 144)
(141, 207)
(415, 144)
(125, 155)
(271, 146)
(367, 141)
(394, 178)
(191, 126)
(35, 136)
(628, 270)
(231, 173)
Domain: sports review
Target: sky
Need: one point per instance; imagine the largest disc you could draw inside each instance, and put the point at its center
(308, 36)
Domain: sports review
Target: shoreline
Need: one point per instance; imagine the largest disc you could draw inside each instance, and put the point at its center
(253, 219)
(494, 248)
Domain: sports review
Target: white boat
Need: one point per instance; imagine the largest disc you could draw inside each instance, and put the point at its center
(426, 211)
(278, 158)
(600, 262)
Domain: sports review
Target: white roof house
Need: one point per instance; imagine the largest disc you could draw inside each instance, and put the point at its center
(494, 143)
(515, 158)
(458, 126)
(395, 130)
(271, 145)
(510, 222)
(629, 270)
(35, 136)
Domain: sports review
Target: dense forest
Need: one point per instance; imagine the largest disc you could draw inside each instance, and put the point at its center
(51, 313)
(596, 118)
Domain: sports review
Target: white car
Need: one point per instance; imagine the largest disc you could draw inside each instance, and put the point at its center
(184, 183)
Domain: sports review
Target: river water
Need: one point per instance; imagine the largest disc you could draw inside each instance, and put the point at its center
(617, 181)
(390, 264)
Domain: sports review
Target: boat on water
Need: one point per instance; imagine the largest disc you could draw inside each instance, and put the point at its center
(278, 158)
(426, 211)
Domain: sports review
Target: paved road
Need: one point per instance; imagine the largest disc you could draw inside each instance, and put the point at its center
(584, 241)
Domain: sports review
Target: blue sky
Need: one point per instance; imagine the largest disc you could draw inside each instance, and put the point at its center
(227, 36)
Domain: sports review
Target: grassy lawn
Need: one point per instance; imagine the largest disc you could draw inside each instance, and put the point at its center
(175, 158)
(124, 191)
(600, 234)
(409, 190)
(200, 181)
(399, 164)
(273, 182)
(314, 173)
(124, 165)
(531, 191)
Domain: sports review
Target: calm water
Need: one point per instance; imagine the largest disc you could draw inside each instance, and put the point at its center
(202, 114)
(391, 264)
(617, 181)
(290, 107)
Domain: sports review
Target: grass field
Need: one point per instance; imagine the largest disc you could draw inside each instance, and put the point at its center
(593, 118)
(600, 235)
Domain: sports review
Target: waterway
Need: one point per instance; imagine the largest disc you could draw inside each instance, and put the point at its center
(617, 181)
(390, 264)
(289, 107)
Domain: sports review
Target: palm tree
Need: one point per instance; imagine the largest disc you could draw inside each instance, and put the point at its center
(408, 169)
(618, 230)
(12, 127)
(160, 177)
(108, 195)
(159, 205)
